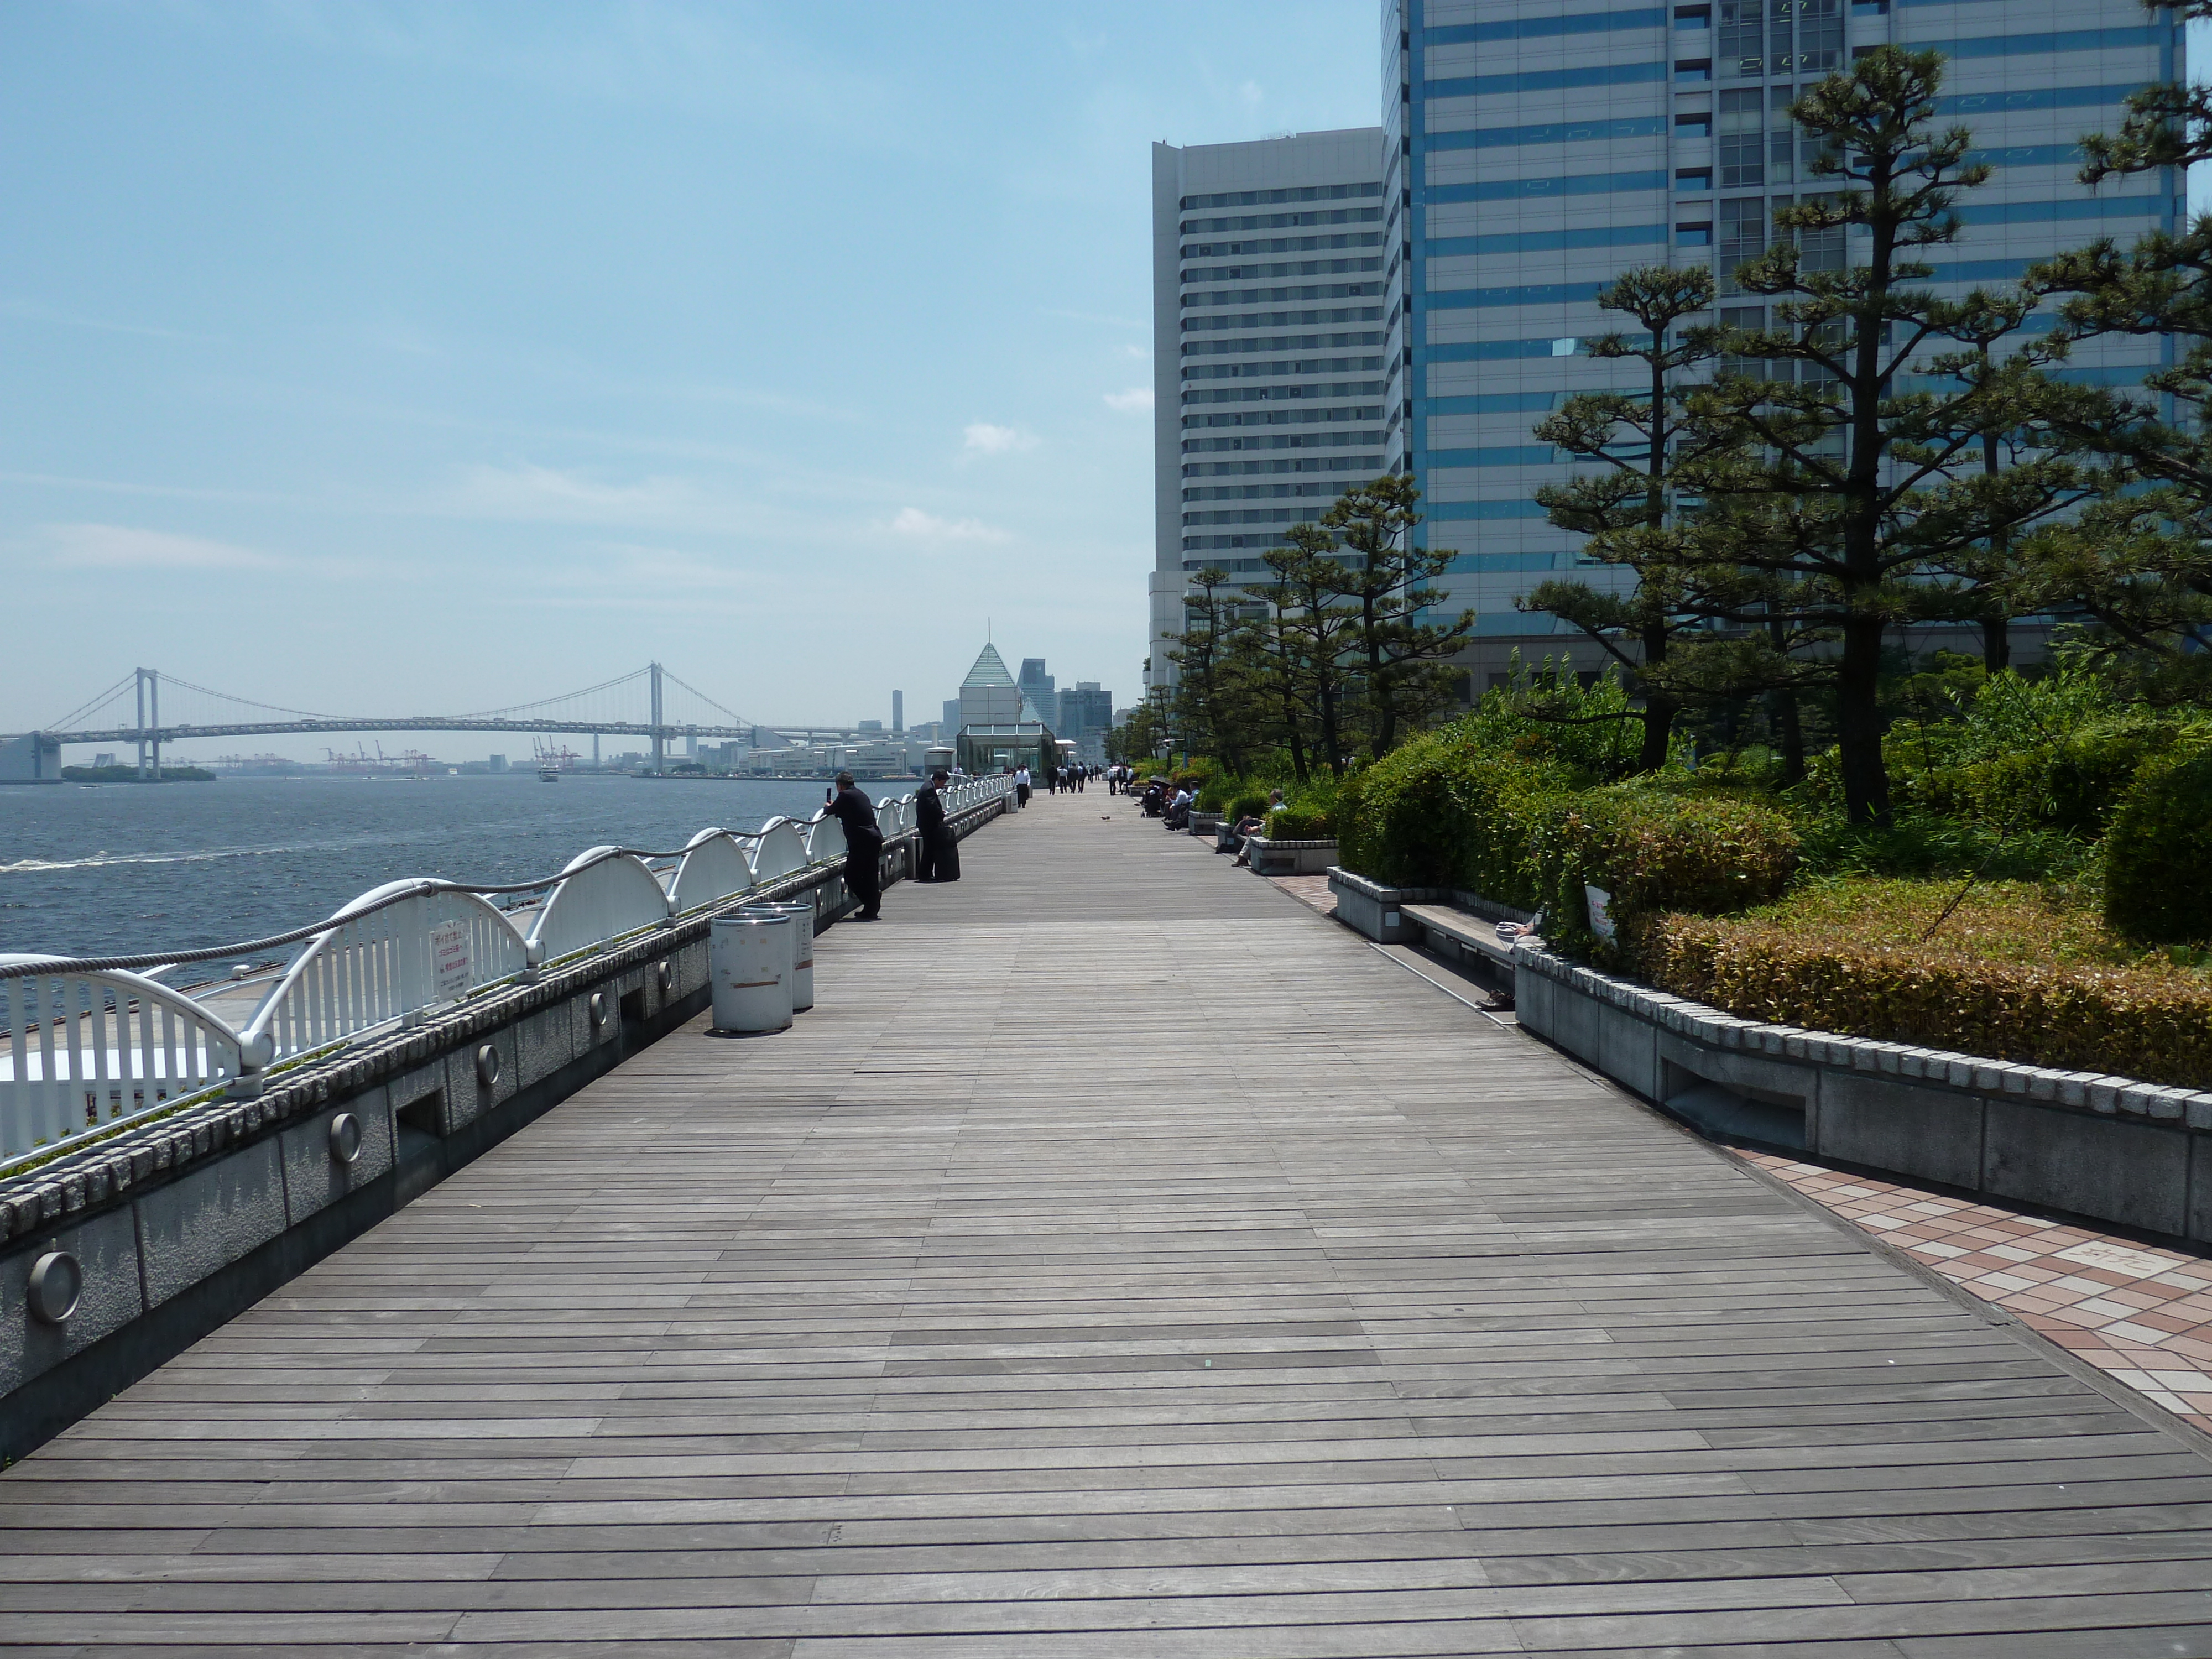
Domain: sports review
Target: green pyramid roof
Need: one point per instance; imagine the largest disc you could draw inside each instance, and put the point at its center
(990, 669)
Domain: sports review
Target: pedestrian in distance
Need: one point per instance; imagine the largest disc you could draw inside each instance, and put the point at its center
(1021, 788)
(863, 847)
(929, 825)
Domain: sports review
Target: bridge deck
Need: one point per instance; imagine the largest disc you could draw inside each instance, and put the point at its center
(1121, 1261)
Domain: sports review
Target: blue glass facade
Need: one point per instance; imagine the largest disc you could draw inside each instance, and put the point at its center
(1533, 150)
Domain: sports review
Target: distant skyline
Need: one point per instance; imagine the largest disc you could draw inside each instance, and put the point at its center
(440, 357)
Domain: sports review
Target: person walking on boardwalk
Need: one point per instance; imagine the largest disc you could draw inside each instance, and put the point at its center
(929, 826)
(1021, 788)
(863, 847)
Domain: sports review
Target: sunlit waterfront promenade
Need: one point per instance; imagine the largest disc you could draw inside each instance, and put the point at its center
(1121, 1259)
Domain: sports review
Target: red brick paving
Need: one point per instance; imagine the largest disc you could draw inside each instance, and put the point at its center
(2138, 1312)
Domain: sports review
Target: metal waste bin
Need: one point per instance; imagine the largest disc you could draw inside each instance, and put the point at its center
(749, 959)
(801, 913)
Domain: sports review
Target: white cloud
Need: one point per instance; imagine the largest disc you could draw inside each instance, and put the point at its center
(533, 492)
(1137, 400)
(922, 527)
(1137, 351)
(987, 440)
(119, 547)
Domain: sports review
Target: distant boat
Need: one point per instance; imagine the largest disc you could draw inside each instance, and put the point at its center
(547, 774)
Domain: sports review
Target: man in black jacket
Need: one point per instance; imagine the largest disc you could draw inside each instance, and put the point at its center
(863, 847)
(929, 825)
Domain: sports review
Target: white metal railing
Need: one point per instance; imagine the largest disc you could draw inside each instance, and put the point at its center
(90, 1042)
(87, 1048)
(382, 961)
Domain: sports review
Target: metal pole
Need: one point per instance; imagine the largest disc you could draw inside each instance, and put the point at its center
(657, 739)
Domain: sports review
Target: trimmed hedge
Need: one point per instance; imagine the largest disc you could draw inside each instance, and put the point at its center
(2158, 853)
(1297, 823)
(2130, 1022)
(1440, 812)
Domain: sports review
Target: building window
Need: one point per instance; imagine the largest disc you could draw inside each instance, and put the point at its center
(1819, 36)
(1693, 18)
(1697, 124)
(1743, 236)
(1694, 235)
(1693, 68)
(1743, 42)
(1694, 181)
(1743, 138)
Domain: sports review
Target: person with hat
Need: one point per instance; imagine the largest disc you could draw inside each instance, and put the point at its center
(863, 847)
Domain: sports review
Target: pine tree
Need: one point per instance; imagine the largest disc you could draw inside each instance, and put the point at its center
(1627, 511)
(1401, 654)
(1850, 502)
(2138, 561)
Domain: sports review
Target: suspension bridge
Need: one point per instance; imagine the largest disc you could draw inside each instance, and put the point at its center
(649, 703)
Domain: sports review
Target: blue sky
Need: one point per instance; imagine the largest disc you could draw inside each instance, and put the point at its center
(434, 356)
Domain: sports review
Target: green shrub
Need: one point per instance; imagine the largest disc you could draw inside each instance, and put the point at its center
(1654, 851)
(1252, 804)
(2158, 853)
(2148, 1021)
(1441, 813)
(2072, 783)
(1298, 823)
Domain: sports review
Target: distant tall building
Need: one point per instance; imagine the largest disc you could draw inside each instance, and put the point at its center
(1084, 711)
(898, 711)
(1267, 364)
(1535, 152)
(989, 695)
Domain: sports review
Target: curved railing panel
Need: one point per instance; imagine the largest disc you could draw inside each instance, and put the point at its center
(600, 898)
(782, 850)
(825, 840)
(714, 866)
(86, 1049)
(376, 965)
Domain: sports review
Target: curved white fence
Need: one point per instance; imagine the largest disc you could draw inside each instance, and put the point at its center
(88, 1047)
(714, 866)
(604, 894)
(380, 962)
(85, 1049)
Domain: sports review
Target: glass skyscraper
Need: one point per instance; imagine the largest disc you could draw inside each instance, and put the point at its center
(1533, 150)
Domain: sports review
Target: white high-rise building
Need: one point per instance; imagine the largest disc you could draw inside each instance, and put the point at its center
(1268, 360)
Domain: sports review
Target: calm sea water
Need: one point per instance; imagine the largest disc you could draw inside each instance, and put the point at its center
(88, 870)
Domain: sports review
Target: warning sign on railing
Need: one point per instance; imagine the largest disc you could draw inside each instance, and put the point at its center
(449, 960)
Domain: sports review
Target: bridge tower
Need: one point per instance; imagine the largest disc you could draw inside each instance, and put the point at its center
(149, 722)
(659, 736)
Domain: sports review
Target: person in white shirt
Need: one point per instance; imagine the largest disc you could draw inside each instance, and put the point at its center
(1021, 788)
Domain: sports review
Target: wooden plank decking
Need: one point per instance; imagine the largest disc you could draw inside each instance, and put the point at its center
(1121, 1260)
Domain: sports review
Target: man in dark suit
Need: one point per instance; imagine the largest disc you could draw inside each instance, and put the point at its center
(929, 825)
(863, 847)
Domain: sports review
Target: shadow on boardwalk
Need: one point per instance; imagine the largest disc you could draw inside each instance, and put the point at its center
(1121, 1260)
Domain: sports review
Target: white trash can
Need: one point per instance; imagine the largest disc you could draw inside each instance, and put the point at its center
(749, 959)
(802, 948)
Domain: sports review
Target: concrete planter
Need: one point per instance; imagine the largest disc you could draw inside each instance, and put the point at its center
(2117, 1149)
(1205, 824)
(2113, 1148)
(1290, 857)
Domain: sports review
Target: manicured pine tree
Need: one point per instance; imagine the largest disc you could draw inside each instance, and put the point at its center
(1627, 511)
(1401, 654)
(1852, 500)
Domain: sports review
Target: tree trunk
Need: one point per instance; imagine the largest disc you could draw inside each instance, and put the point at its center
(1996, 643)
(1858, 722)
(1659, 708)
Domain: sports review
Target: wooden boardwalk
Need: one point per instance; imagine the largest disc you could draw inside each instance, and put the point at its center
(1122, 1260)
